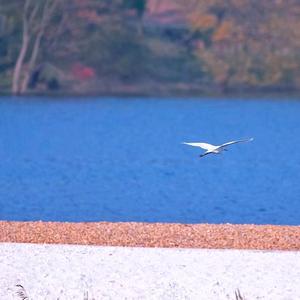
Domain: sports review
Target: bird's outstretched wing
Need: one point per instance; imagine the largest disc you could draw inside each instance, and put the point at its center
(204, 146)
(235, 142)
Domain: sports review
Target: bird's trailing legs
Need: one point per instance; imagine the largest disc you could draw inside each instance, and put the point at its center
(212, 152)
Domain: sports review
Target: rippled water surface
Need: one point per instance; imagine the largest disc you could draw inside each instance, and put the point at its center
(122, 160)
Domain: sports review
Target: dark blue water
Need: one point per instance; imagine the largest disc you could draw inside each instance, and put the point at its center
(122, 160)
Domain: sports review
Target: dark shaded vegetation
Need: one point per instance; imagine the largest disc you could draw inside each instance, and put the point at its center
(148, 46)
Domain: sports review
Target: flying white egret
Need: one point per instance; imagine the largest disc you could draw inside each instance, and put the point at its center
(215, 149)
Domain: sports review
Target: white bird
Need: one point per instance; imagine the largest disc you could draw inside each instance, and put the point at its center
(215, 149)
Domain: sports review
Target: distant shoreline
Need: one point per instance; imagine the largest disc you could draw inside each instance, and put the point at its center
(165, 93)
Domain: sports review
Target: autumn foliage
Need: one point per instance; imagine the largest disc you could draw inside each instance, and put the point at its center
(199, 45)
(250, 44)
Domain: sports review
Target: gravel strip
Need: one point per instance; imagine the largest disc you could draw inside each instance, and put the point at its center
(225, 236)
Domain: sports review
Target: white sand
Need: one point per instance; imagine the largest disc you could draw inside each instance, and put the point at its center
(69, 272)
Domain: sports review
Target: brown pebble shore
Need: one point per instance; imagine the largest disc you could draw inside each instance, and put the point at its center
(210, 236)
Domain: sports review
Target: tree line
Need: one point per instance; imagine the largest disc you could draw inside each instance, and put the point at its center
(100, 45)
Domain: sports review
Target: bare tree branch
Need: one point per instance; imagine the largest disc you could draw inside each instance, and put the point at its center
(22, 53)
(33, 30)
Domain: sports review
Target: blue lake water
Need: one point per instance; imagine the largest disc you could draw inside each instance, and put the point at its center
(122, 160)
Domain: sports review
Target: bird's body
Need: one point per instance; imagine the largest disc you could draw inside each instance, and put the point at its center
(212, 149)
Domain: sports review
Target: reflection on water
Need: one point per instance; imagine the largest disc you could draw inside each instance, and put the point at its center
(122, 160)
